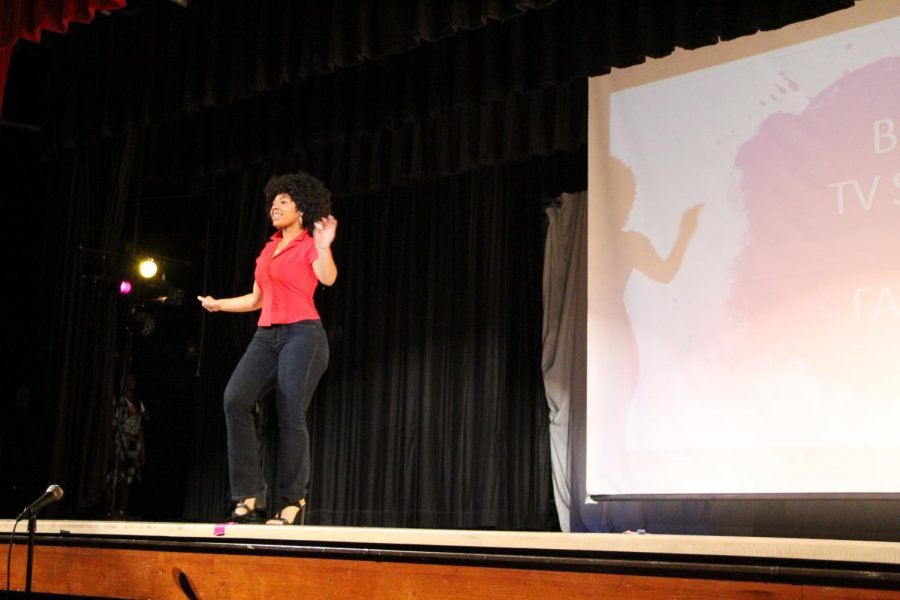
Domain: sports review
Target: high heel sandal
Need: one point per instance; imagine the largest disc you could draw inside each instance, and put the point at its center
(299, 516)
(249, 517)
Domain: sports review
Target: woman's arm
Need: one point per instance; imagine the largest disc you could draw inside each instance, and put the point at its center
(323, 266)
(246, 303)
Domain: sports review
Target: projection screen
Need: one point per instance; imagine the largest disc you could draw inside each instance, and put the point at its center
(744, 265)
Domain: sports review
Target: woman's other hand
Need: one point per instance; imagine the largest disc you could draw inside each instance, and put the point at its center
(209, 303)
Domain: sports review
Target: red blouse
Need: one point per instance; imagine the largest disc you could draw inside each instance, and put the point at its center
(287, 281)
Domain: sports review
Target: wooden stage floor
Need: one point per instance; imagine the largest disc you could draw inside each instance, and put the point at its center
(112, 559)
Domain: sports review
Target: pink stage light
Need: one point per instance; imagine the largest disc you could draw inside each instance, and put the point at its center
(125, 287)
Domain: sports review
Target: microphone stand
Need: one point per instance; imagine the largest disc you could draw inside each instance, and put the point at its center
(53, 493)
(32, 526)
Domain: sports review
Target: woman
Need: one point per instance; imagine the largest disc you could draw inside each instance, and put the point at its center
(288, 352)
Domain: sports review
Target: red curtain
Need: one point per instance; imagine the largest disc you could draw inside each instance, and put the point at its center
(26, 18)
(5, 55)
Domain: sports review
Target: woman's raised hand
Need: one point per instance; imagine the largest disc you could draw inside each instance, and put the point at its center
(325, 231)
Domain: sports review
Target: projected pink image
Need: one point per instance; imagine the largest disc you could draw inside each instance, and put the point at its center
(819, 278)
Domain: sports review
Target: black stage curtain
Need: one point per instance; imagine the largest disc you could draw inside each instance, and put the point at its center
(166, 63)
(79, 326)
(433, 413)
(512, 129)
(235, 228)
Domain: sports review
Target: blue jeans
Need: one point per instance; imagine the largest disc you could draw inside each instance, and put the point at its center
(289, 359)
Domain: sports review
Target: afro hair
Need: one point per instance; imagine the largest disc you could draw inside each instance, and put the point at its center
(310, 195)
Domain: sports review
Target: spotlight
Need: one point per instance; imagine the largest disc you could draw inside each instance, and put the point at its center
(148, 268)
(124, 287)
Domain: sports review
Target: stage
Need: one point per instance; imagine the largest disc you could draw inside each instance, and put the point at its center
(191, 560)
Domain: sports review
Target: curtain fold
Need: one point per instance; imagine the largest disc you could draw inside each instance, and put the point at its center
(25, 19)
(85, 321)
(5, 57)
(563, 361)
(509, 130)
(320, 60)
(236, 226)
(214, 54)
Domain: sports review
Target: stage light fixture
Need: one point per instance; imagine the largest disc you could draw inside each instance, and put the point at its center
(125, 287)
(148, 268)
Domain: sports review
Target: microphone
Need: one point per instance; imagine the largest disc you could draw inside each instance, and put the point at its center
(53, 493)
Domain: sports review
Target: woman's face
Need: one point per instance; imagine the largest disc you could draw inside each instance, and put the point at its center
(284, 212)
